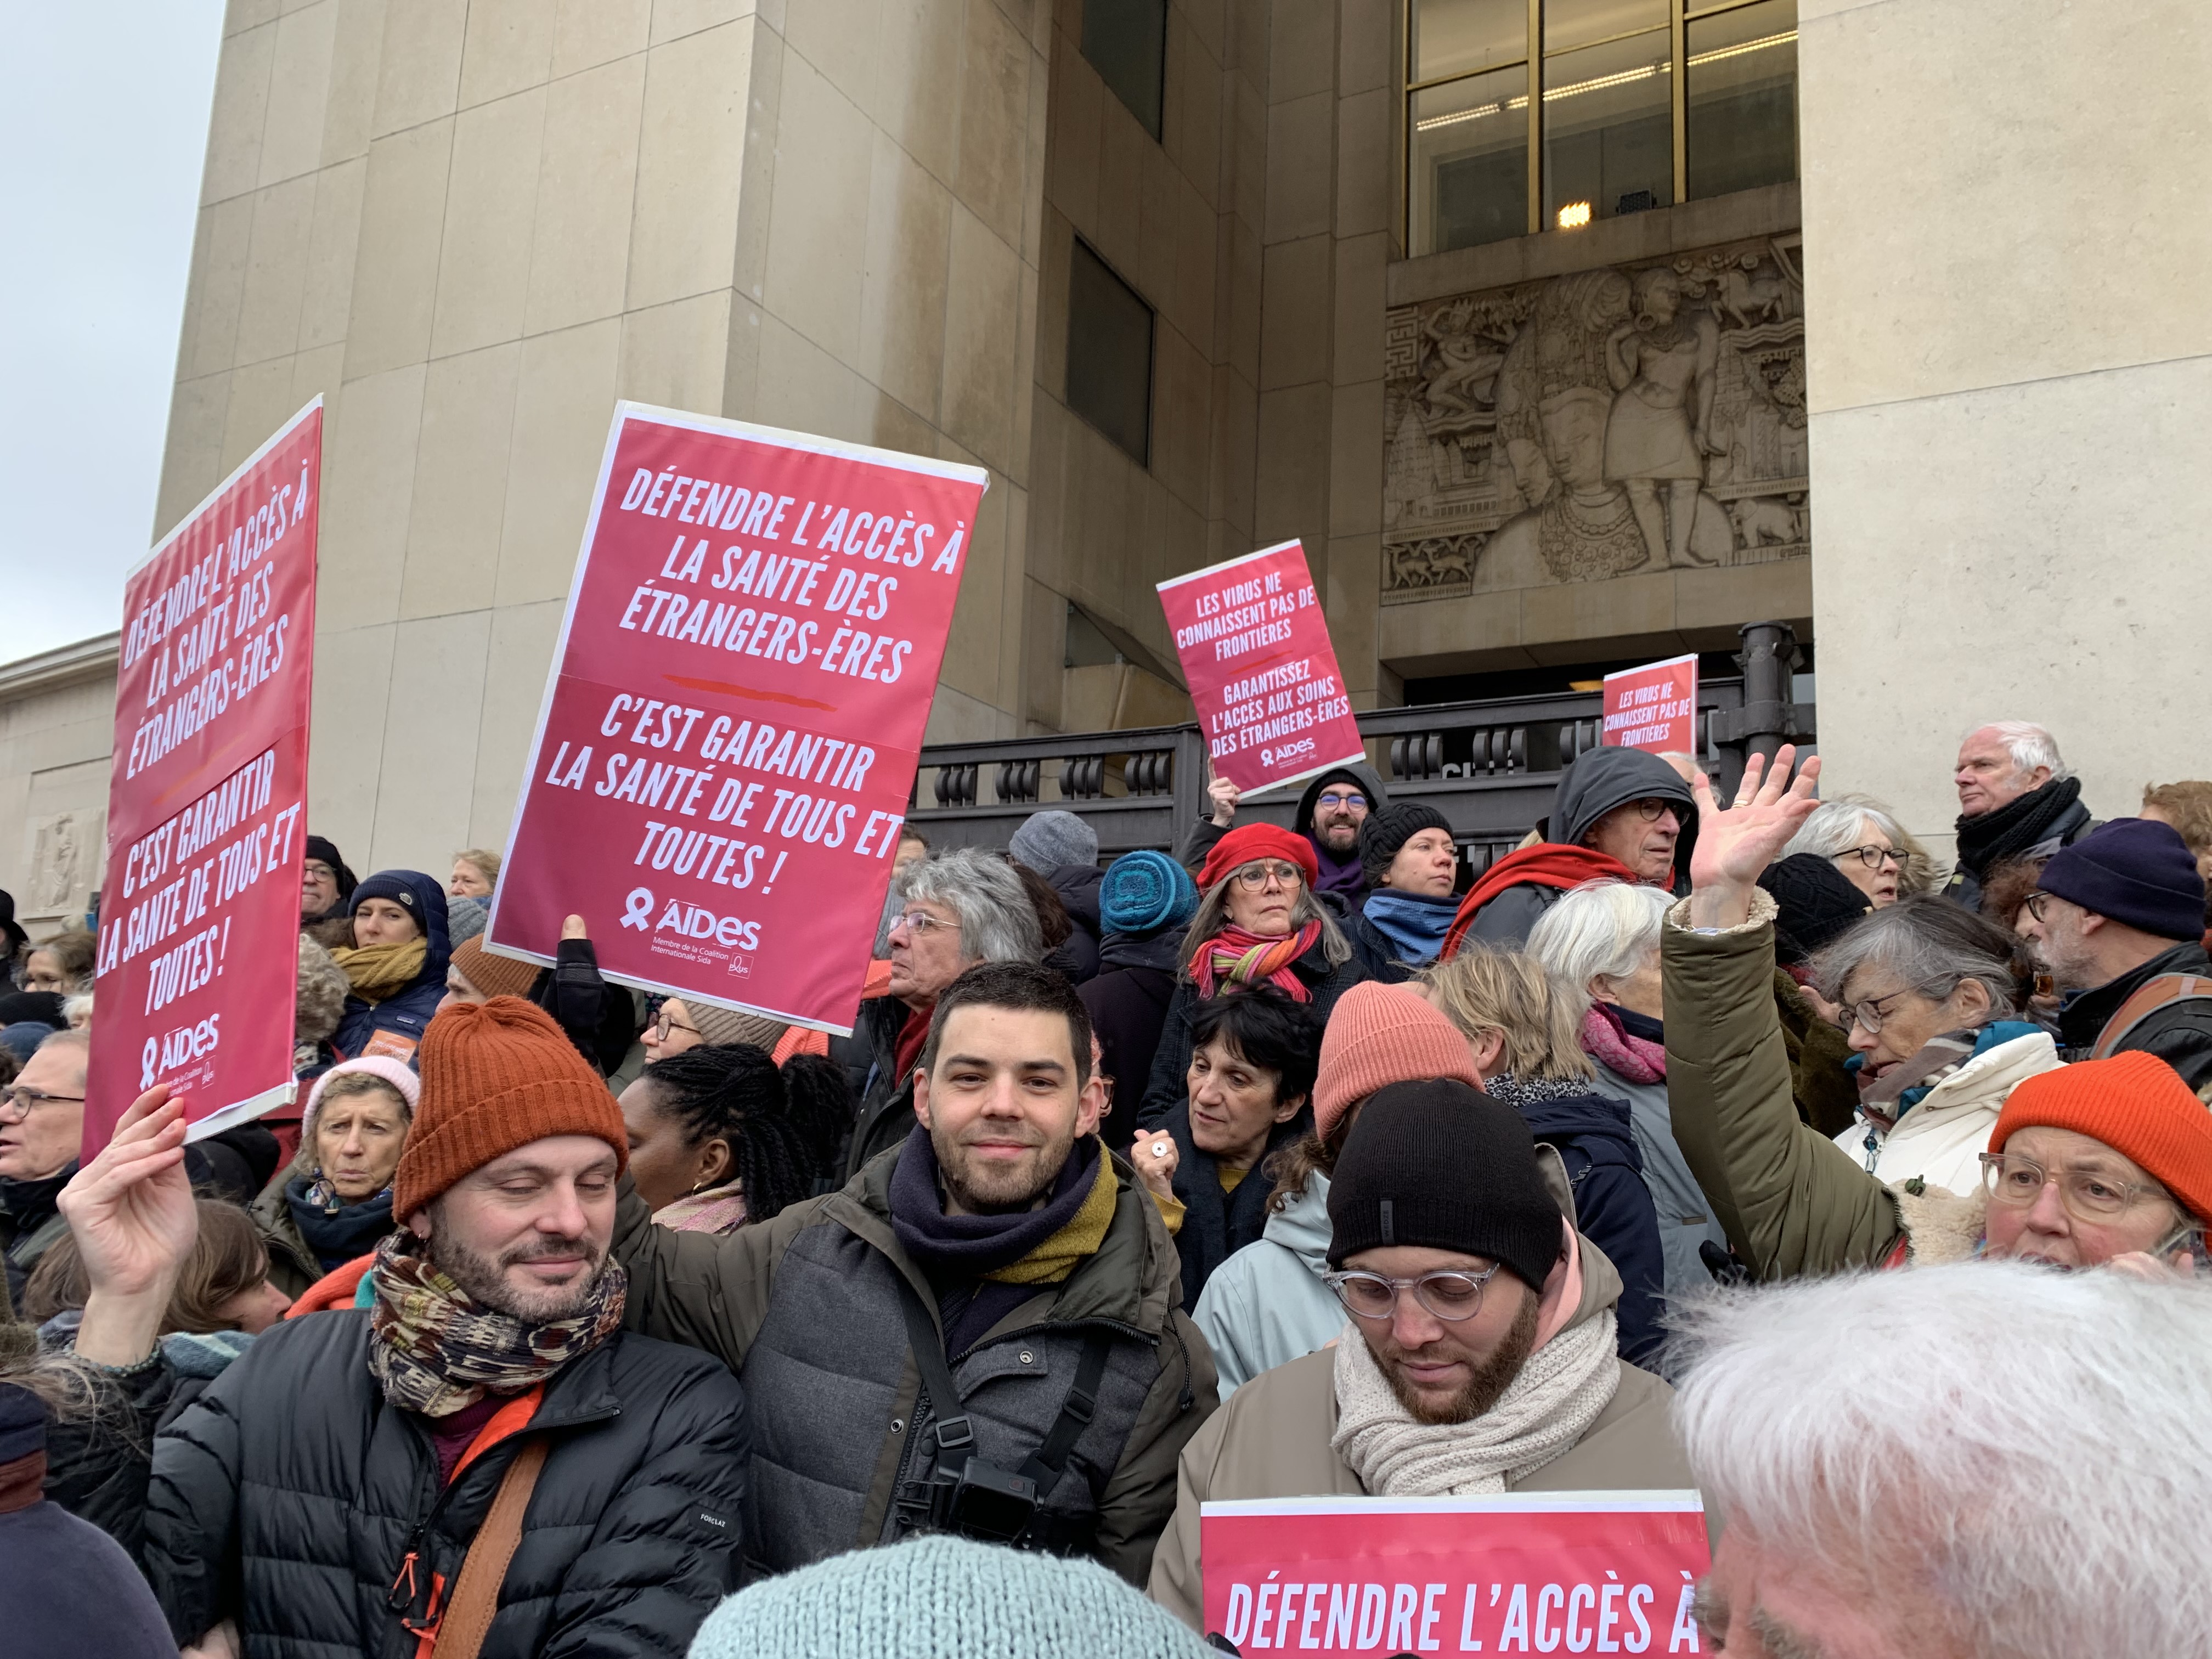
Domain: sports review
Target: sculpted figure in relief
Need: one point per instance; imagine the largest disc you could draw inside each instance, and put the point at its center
(1662, 363)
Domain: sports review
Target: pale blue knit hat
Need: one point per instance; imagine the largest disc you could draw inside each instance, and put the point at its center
(941, 1597)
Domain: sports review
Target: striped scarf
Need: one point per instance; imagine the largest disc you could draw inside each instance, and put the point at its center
(1237, 958)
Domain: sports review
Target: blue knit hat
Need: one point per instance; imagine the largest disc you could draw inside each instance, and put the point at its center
(1145, 893)
(941, 1597)
(2135, 871)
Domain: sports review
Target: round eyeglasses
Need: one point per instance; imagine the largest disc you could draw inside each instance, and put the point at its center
(1450, 1296)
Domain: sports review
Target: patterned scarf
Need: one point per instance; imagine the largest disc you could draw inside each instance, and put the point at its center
(1613, 1046)
(1238, 959)
(376, 971)
(433, 1349)
(718, 1210)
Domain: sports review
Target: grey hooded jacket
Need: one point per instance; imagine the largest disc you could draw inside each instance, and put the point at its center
(1598, 781)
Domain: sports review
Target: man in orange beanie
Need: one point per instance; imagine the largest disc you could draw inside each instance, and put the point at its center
(378, 1468)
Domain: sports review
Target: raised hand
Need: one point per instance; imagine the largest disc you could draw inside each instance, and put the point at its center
(1735, 843)
(132, 1212)
(1224, 794)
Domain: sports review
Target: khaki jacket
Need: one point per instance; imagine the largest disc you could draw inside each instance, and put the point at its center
(1272, 1439)
(1790, 1199)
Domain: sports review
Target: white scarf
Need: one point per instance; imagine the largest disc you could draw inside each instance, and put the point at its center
(1542, 1413)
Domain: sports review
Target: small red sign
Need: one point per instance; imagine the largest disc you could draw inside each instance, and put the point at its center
(1654, 707)
(1525, 1572)
(1262, 673)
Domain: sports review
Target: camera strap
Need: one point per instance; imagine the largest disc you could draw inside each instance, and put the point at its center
(956, 1436)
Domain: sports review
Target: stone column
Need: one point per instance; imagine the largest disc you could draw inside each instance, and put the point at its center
(2005, 232)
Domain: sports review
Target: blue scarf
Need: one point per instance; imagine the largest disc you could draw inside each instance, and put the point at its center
(1414, 922)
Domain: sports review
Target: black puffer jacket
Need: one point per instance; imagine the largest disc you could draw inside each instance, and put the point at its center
(2180, 1034)
(288, 1494)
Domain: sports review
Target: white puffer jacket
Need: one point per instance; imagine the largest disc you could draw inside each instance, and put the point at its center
(1940, 1141)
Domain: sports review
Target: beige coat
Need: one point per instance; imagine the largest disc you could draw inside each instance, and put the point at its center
(1271, 1439)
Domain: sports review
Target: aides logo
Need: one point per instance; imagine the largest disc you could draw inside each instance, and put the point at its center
(166, 1053)
(689, 922)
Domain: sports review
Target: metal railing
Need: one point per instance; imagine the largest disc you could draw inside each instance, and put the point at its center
(1489, 766)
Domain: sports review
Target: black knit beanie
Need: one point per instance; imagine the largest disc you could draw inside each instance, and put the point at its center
(1438, 1164)
(1816, 901)
(1388, 828)
(2135, 871)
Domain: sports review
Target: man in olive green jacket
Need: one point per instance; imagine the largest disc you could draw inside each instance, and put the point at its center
(1794, 1202)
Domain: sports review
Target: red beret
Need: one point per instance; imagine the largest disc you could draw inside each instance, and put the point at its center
(1248, 842)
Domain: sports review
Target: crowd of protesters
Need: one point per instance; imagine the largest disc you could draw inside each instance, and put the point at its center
(557, 1319)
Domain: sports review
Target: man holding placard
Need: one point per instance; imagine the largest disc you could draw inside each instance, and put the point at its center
(1479, 1356)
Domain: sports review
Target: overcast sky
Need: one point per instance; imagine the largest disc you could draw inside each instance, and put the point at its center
(103, 127)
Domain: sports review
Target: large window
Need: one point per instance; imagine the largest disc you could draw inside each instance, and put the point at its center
(1109, 354)
(1524, 115)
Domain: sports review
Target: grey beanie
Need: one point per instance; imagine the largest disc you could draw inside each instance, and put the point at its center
(942, 1597)
(1046, 841)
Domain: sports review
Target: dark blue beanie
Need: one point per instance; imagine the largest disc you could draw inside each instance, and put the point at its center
(22, 1423)
(2135, 871)
(1145, 892)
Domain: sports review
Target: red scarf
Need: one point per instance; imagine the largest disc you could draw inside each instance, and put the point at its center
(1547, 864)
(1238, 959)
(912, 1037)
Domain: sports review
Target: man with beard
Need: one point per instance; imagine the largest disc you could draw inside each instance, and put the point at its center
(2017, 801)
(2117, 919)
(1328, 814)
(484, 1449)
(1479, 1356)
(979, 1334)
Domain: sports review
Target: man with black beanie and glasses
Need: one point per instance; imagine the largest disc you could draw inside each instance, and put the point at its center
(1479, 1353)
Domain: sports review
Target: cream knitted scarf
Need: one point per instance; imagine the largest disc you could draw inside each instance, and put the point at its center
(1542, 1413)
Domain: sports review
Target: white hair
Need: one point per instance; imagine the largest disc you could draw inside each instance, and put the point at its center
(997, 923)
(2029, 745)
(2016, 1452)
(1608, 927)
(1836, 826)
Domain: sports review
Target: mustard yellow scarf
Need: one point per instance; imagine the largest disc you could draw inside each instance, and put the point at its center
(376, 971)
(1059, 1255)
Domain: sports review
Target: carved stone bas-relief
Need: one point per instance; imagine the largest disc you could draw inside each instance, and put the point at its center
(1633, 418)
(66, 850)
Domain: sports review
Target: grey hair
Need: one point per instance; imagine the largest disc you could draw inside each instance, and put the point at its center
(997, 923)
(1608, 927)
(2042, 1494)
(2029, 745)
(1212, 916)
(76, 1036)
(1835, 827)
(1932, 946)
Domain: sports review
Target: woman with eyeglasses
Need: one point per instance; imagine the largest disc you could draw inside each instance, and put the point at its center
(1975, 1141)
(1867, 848)
(1258, 923)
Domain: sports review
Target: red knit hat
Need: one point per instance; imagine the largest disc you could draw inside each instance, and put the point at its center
(2136, 1104)
(495, 1076)
(1248, 841)
(1382, 1034)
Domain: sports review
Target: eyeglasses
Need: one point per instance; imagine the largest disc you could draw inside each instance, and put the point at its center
(667, 1023)
(1871, 856)
(919, 922)
(2039, 905)
(1357, 803)
(1651, 807)
(1254, 877)
(2016, 1182)
(1870, 1014)
(1450, 1296)
(17, 1103)
(315, 871)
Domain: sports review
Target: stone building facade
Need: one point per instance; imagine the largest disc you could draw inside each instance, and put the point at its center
(1190, 278)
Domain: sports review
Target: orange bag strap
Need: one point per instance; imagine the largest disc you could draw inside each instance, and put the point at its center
(468, 1615)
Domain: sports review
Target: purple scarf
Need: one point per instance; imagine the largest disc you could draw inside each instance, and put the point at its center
(1610, 1043)
(1348, 877)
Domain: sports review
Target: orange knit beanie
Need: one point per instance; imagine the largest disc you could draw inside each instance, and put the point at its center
(2136, 1104)
(495, 1076)
(1382, 1033)
(496, 976)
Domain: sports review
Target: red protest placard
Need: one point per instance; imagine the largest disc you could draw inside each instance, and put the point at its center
(1255, 650)
(1540, 1572)
(1654, 707)
(199, 904)
(735, 713)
